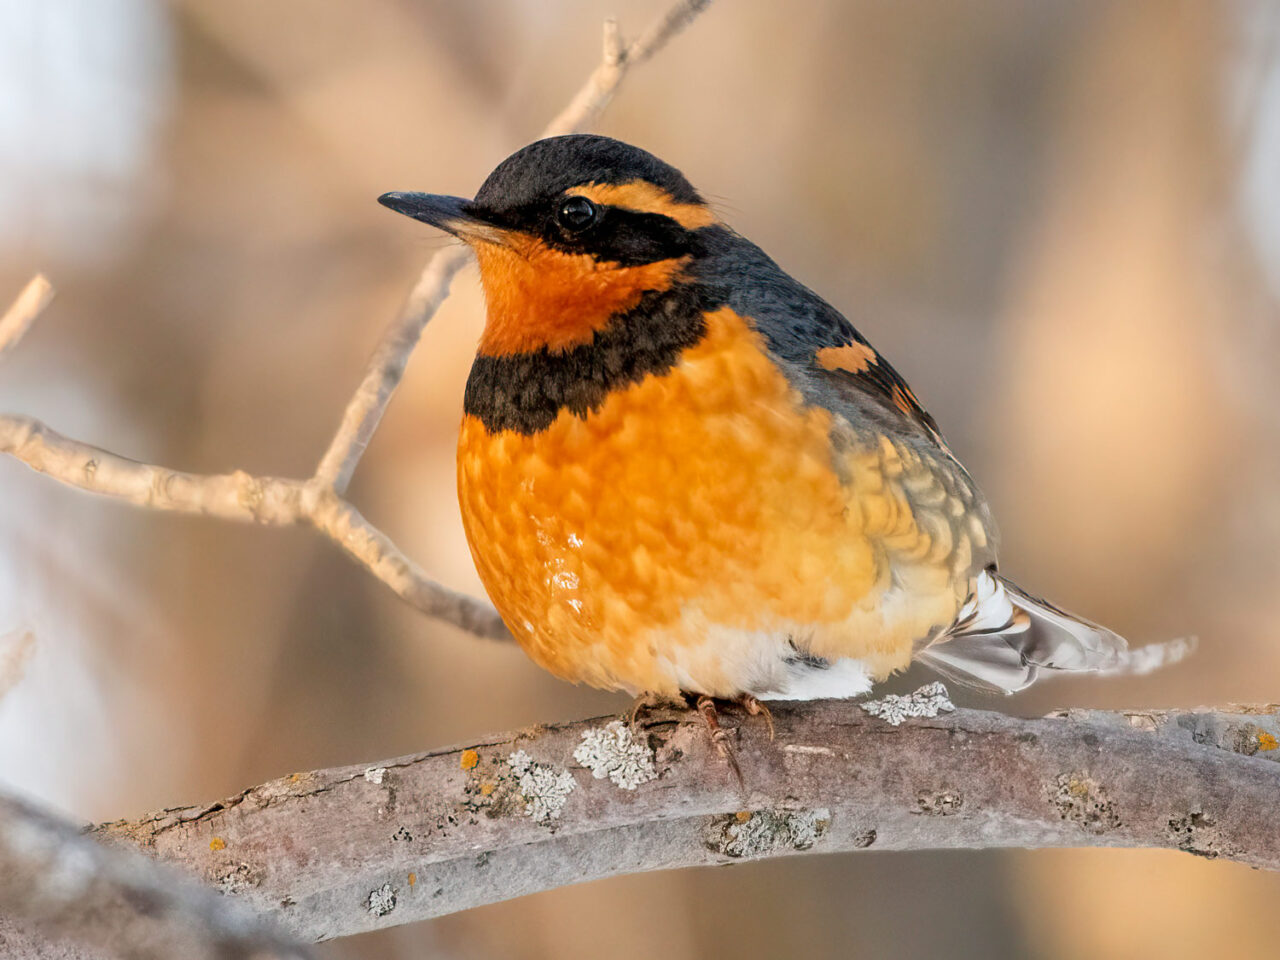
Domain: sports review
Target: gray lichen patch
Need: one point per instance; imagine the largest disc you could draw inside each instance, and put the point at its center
(928, 701)
(1234, 734)
(611, 751)
(381, 901)
(765, 831)
(1083, 800)
(1250, 731)
(544, 788)
(939, 803)
(491, 788)
(1259, 742)
(238, 879)
(1196, 832)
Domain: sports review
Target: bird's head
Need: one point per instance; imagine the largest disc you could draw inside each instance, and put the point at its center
(569, 232)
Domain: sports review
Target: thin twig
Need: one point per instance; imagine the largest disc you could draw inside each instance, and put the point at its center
(340, 851)
(663, 30)
(17, 320)
(386, 368)
(318, 501)
(373, 549)
(269, 501)
(617, 61)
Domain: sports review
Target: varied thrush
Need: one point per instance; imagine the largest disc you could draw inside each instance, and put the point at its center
(683, 472)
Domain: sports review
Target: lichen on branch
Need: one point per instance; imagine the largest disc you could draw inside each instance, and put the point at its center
(541, 808)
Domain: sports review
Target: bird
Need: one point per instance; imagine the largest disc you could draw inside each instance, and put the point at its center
(683, 474)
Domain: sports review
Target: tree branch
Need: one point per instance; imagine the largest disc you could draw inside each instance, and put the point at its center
(386, 368)
(318, 501)
(17, 320)
(336, 852)
(268, 501)
(55, 881)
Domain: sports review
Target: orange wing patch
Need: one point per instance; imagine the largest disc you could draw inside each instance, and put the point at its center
(538, 296)
(905, 400)
(872, 374)
(645, 197)
(852, 358)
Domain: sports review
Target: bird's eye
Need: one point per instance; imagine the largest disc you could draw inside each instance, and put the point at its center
(576, 213)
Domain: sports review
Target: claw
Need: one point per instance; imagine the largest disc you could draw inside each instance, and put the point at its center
(757, 709)
(706, 706)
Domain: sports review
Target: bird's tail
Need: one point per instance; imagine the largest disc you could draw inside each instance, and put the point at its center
(1004, 637)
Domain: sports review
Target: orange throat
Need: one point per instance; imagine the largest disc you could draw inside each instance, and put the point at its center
(538, 296)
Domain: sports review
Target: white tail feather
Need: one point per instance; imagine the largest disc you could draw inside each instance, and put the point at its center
(1004, 637)
(1154, 656)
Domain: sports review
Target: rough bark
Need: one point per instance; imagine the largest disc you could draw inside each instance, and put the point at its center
(336, 852)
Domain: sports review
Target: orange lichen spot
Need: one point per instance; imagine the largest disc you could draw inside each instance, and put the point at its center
(487, 788)
(645, 197)
(217, 843)
(852, 358)
(469, 759)
(742, 816)
(1267, 741)
(538, 296)
(413, 878)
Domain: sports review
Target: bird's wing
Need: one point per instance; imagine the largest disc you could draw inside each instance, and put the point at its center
(835, 367)
(824, 355)
(921, 511)
(1002, 638)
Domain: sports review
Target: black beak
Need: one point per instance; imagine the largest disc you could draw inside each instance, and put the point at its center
(455, 215)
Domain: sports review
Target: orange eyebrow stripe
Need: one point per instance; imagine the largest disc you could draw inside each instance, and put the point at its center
(853, 357)
(643, 197)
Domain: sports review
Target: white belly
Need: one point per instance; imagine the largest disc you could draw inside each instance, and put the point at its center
(767, 665)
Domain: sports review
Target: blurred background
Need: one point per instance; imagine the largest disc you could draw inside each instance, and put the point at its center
(1060, 221)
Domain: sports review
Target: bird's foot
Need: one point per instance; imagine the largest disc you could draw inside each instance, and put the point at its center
(757, 709)
(706, 707)
(650, 709)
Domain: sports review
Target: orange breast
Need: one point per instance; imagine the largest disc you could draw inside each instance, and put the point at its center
(706, 497)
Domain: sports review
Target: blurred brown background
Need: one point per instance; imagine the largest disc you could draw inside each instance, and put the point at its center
(1060, 220)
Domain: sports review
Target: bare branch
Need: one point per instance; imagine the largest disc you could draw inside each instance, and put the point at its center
(317, 501)
(665, 29)
(55, 881)
(600, 87)
(230, 496)
(386, 368)
(339, 851)
(35, 296)
(373, 549)
(270, 501)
